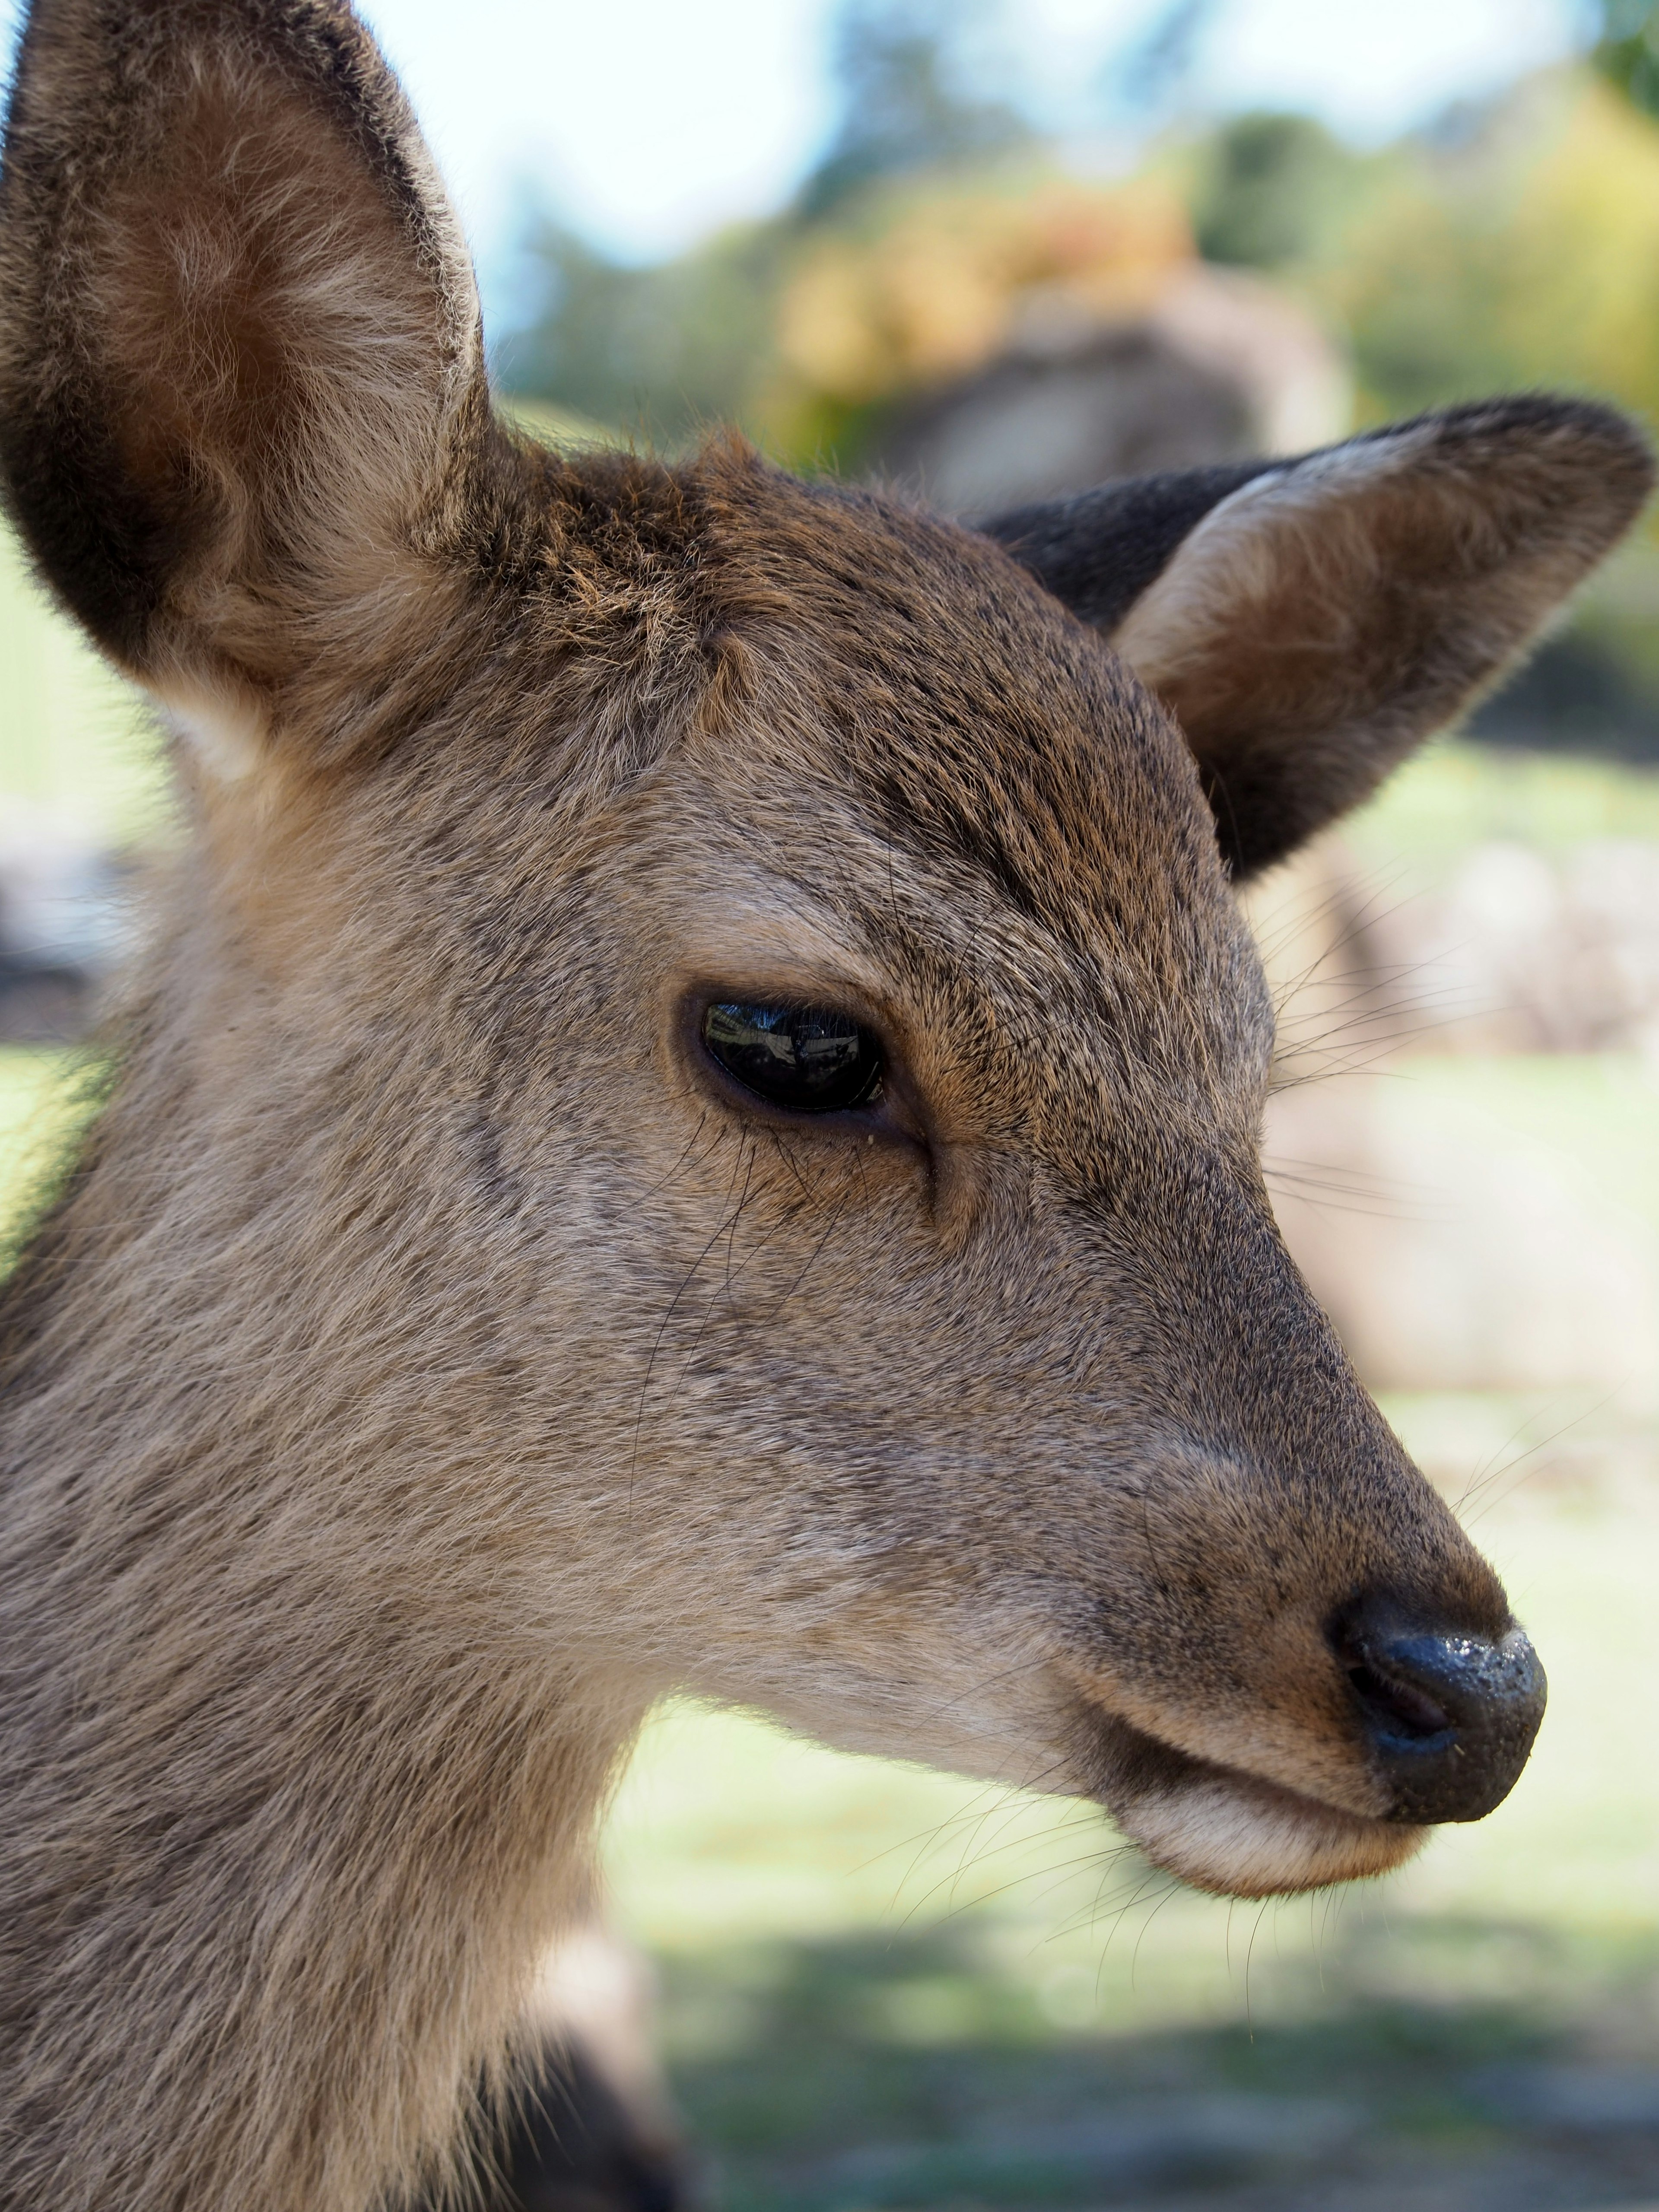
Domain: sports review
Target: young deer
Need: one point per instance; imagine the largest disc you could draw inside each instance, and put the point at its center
(690, 1119)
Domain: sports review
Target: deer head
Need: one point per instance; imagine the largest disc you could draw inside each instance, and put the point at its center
(692, 1115)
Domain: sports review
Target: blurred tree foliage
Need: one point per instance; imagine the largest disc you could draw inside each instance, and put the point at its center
(906, 106)
(1522, 249)
(664, 349)
(1516, 244)
(1511, 246)
(916, 283)
(1627, 51)
(1270, 190)
(655, 351)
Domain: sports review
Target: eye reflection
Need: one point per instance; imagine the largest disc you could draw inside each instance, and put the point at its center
(807, 1060)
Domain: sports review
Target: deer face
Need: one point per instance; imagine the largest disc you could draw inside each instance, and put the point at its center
(872, 1146)
(747, 981)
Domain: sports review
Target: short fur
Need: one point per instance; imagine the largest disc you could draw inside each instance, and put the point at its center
(435, 1358)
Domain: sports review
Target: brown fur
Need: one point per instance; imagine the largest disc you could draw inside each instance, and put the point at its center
(435, 1359)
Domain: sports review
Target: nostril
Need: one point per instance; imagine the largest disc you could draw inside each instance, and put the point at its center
(1448, 1716)
(1397, 1707)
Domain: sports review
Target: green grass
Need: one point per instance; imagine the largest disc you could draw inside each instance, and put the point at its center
(1453, 796)
(37, 1113)
(76, 744)
(1600, 1113)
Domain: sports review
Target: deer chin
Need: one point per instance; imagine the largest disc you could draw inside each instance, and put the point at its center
(1233, 1833)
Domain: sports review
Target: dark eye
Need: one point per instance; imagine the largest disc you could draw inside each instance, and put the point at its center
(805, 1058)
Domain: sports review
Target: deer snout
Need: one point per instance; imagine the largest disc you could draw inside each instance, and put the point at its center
(1449, 1716)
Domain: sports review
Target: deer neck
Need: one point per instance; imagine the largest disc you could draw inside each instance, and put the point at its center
(300, 1777)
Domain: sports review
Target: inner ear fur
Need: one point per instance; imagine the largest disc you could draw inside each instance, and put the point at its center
(1308, 622)
(239, 356)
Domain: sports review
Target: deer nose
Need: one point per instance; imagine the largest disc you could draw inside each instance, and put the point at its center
(1449, 1716)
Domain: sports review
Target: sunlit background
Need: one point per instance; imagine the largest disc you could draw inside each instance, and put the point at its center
(992, 252)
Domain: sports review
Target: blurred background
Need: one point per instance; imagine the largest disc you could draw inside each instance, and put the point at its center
(994, 249)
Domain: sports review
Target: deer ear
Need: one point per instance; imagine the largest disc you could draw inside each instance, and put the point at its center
(239, 356)
(1308, 622)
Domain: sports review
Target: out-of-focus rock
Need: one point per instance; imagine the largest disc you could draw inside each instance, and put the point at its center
(1556, 958)
(1453, 1253)
(1519, 952)
(1216, 366)
(62, 924)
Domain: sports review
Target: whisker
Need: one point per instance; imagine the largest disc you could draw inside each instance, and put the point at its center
(1483, 1482)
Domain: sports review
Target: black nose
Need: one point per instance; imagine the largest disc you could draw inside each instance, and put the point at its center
(1449, 1716)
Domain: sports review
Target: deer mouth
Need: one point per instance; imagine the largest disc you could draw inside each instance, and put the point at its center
(1223, 1830)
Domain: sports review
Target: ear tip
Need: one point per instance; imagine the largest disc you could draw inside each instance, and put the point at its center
(1519, 412)
(1591, 437)
(1627, 444)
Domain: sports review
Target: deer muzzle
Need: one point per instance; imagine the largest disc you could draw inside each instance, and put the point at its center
(1436, 1718)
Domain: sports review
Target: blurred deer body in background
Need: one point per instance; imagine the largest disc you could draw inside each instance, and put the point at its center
(689, 1120)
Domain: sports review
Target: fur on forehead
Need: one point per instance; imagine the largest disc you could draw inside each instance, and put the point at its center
(838, 678)
(968, 717)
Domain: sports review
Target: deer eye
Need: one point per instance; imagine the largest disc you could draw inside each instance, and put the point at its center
(808, 1060)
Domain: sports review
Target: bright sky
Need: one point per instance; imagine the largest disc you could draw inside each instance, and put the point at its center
(648, 122)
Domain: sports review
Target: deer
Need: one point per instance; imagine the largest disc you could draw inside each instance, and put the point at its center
(687, 1119)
